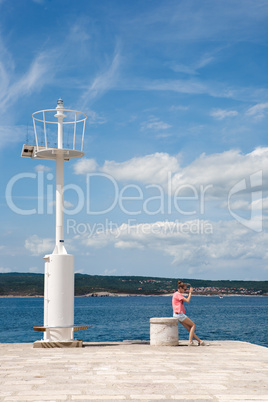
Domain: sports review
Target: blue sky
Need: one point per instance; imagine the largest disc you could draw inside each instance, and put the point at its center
(174, 178)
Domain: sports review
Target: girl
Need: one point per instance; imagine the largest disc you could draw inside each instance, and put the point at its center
(179, 312)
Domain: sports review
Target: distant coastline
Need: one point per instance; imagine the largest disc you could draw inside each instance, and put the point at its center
(17, 284)
(108, 294)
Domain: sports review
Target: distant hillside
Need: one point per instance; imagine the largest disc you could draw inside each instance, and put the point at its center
(21, 284)
(24, 284)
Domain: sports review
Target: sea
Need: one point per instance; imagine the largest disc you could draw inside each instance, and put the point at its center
(114, 319)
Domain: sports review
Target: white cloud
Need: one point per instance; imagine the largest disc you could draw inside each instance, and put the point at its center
(6, 66)
(40, 72)
(194, 243)
(145, 169)
(261, 204)
(178, 108)
(204, 61)
(38, 246)
(68, 204)
(33, 269)
(94, 117)
(182, 68)
(192, 69)
(79, 271)
(265, 203)
(221, 114)
(128, 244)
(258, 111)
(12, 134)
(104, 81)
(43, 68)
(109, 272)
(163, 135)
(184, 22)
(98, 241)
(220, 172)
(182, 86)
(154, 124)
(78, 32)
(195, 86)
(85, 165)
(238, 204)
(5, 270)
(42, 168)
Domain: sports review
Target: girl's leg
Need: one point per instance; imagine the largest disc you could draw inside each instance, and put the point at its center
(190, 326)
(194, 335)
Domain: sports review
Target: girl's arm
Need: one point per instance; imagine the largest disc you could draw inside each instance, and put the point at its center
(187, 299)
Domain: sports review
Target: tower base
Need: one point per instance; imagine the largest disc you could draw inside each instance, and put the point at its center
(59, 298)
(78, 343)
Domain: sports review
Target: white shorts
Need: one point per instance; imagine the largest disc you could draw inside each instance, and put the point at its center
(181, 317)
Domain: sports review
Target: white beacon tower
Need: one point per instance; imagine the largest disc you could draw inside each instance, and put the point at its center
(67, 143)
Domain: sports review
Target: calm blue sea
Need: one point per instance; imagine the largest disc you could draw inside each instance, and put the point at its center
(127, 318)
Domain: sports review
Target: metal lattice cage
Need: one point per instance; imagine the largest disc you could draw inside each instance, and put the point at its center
(46, 125)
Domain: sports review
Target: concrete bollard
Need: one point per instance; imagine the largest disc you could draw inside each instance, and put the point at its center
(164, 331)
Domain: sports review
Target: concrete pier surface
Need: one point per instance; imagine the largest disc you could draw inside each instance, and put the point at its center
(223, 371)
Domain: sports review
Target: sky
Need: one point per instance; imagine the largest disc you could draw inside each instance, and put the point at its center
(174, 178)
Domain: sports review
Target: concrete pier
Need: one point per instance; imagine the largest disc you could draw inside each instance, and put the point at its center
(224, 371)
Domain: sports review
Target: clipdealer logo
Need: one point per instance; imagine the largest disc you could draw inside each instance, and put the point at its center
(131, 199)
(166, 200)
(254, 186)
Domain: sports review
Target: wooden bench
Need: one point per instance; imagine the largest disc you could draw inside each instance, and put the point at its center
(43, 328)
